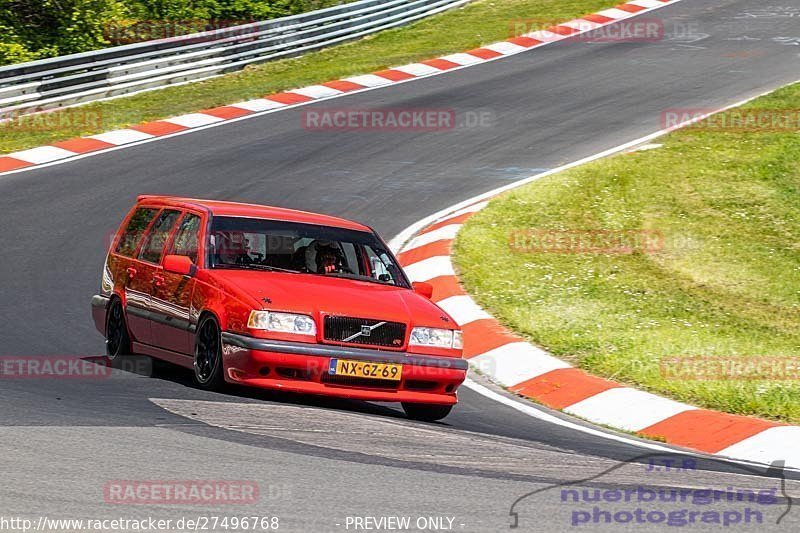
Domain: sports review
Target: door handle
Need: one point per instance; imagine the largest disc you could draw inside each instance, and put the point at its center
(131, 272)
(158, 280)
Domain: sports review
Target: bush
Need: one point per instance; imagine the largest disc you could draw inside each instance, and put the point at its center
(11, 48)
(34, 29)
(44, 28)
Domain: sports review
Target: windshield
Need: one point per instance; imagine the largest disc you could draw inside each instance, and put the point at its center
(238, 242)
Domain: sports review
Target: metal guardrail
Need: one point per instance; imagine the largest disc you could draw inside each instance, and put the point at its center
(78, 78)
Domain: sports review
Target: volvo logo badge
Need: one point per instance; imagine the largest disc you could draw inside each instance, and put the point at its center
(366, 331)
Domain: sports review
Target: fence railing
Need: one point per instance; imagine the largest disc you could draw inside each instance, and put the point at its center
(77, 78)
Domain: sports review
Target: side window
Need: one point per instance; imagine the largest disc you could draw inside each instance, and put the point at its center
(382, 267)
(186, 239)
(134, 231)
(159, 233)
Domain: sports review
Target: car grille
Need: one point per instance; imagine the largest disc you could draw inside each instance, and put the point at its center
(339, 328)
(353, 381)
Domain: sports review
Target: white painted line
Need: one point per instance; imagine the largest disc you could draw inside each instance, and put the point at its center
(122, 136)
(646, 147)
(462, 59)
(42, 154)
(193, 120)
(536, 412)
(469, 209)
(439, 234)
(649, 4)
(369, 80)
(430, 268)
(628, 409)
(545, 36)
(259, 104)
(615, 13)
(582, 25)
(317, 91)
(418, 69)
(516, 362)
(505, 48)
(463, 309)
(773, 444)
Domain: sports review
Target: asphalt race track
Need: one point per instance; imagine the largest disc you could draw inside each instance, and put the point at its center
(318, 462)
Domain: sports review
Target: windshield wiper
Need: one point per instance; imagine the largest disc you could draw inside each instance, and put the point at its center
(357, 277)
(268, 268)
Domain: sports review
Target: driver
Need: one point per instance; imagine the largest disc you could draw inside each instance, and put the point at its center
(324, 257)
(232, 248)
(328, 260)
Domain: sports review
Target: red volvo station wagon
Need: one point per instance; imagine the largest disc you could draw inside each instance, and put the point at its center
(279, 299)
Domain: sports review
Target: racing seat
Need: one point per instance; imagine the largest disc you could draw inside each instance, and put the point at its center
(299, 259)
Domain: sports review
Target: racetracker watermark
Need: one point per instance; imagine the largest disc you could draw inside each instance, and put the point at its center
(639, 30)
(143, 523)
(732, 120)
(54, 367)
(76, 118)
(135, 31)
(736, 368)
(617, 242)
(413, 120)
(71, 366)
(191, 492)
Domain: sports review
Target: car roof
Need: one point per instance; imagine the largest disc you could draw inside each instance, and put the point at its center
(238, 209)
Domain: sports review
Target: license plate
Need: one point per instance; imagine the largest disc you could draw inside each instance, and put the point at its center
(361, 369)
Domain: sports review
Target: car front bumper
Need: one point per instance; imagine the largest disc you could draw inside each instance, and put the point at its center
(99, 308)
(303, 367)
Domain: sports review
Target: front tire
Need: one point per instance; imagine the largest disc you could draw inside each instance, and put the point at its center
(426, 412)
(208, 367)
(118, 341)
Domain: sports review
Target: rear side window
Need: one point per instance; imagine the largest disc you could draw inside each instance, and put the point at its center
(154, 242)
(134, 231)
(186, 239)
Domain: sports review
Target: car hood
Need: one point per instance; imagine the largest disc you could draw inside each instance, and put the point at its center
(328, 295)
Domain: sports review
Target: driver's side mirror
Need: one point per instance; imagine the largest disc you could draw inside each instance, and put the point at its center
(425, 289)
(179, 264)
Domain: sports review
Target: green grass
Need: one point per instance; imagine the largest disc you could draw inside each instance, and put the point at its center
(725, 284)
(472, 25)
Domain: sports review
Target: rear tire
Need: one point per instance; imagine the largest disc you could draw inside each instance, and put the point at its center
(426, 412)
(208, 367)
(118, 342)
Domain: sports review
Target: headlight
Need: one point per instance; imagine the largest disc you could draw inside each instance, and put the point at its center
(439, 338)
(283, 322)
(107, 285)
